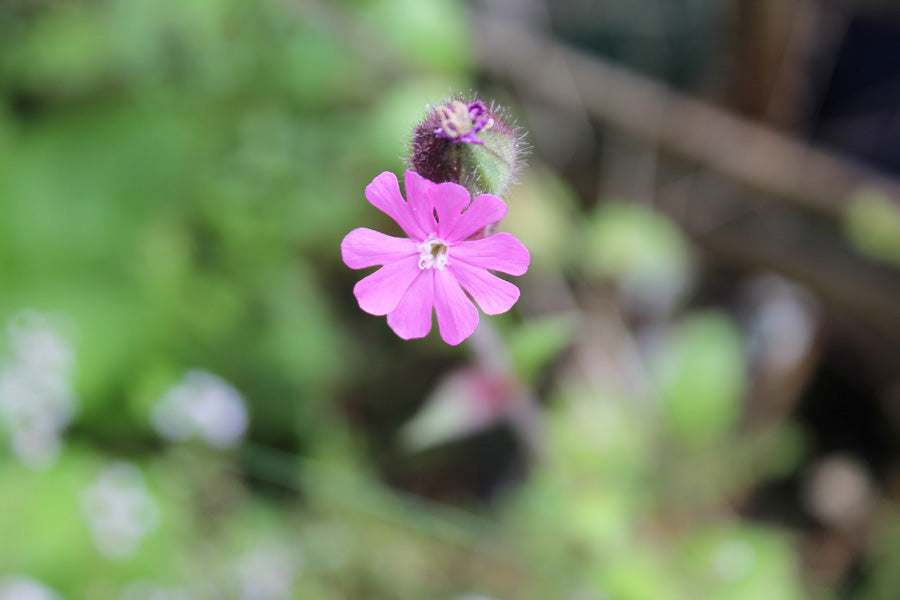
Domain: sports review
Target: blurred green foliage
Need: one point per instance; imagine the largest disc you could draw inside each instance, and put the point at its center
(175, 179)
(703, 378)
(872, 224)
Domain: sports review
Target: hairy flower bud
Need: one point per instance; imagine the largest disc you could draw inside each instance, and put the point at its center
(467, 143)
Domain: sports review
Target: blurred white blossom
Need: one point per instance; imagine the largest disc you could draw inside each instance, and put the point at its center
(268, 571)
(202, 405)
(19, 587)
(37, 401)
(783, 323)
(119, 510)
(839, 491)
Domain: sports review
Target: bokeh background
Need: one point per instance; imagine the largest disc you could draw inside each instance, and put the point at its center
(697, 395)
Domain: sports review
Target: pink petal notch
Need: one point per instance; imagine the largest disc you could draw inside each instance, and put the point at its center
(380, 292)
(419, 203)
(449, 200)
(412, 317)
(485, 210)
(501, 252)
(493, 295)
(456, 315)
(366, 248)
(440, 268)
(384, 194)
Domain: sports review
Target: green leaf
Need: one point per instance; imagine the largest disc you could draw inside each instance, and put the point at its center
(872, 223)
(702, 378)
(737, 562)
(534, 344)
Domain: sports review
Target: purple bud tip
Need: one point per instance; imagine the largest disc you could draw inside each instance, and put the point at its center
(463, 141)
(461, 122)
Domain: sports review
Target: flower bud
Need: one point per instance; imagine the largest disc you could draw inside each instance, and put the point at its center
(469, 144)
(463, 403)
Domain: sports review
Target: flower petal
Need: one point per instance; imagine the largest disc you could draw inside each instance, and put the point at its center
(366, 248)
(380, 292)
(499, 252)
(384, 194)
(419, 203)
(485, 210)
(412, 317)
(449, 200)
(493, 295)
(457, 316)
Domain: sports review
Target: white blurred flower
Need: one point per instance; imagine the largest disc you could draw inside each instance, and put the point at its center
(119, 510)
(36, 446)
(37, 345)
(267, 572)
(783, 322)
(37, 401)
(839, 491)
(203, 405)
(18, 587)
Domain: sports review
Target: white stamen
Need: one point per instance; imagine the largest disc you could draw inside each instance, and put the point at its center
(432, 253)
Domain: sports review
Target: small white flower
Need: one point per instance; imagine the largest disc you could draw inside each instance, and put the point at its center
(37, 401)
(19, 587)
(119, 511)
(37, 345)
(268, 571)
(202, 405)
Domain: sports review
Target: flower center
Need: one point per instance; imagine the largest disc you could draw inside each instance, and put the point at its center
(459, 119)
(432, 253)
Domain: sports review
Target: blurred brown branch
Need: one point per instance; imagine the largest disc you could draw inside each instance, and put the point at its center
(767, 200)
(749, 154)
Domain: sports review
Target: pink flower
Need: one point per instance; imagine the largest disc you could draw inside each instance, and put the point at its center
(438, 264)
